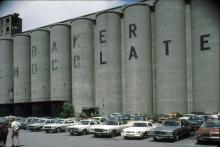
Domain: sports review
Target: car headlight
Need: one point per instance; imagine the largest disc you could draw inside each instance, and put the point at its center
(139, 132)
(198, 134)
(150, 132)
(106, 130)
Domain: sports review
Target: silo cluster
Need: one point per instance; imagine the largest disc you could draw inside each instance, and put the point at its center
(139, 58)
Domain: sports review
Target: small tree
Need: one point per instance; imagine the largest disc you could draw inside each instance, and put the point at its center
(67, 111)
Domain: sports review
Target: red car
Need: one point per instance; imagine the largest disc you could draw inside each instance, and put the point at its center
(209, 131)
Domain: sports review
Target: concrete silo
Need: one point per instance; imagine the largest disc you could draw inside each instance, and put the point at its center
(170, 52)
(108, 81)
(137, 60)
(82, 64)
(22, 75)
(60, 66)
(6, 76)
(40, 72)
(205, 52)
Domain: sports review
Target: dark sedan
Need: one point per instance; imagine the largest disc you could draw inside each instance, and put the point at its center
(170, 129)
(209, 131)
(195, 122)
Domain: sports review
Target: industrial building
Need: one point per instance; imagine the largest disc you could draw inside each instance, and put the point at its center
(150, 57)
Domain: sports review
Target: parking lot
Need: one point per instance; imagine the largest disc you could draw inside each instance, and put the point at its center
(42, 139)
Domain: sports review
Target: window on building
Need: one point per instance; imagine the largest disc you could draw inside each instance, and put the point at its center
(7, 30)
(7, 20)
(1, 23)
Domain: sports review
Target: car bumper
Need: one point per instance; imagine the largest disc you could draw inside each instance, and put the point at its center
(50, 130)
(208, 138)
(101, 133)
(35, 129)
(74, 131)
(131, 135)
(160, 136)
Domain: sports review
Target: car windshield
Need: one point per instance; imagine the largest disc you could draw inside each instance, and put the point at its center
(41, 121)
(211, 124)
(139, 125)
(171, 123)
(84, 122)
(137, 118)
(196, 118)
(108, 122)
(59, 121)
(34, 120)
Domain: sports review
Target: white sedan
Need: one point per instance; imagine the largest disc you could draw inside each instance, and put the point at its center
(139, 129)
(82, 127)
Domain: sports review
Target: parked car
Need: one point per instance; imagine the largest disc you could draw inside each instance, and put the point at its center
(82, 127)
(100, 118)
(29, 121)
(59, 126)
(170, 129)
(38, 126)
(137, 117)
(186, 116)
(162, 117)
(139, 129)
(21, 120)
(209, 131)
(195, 122)
(108, 128)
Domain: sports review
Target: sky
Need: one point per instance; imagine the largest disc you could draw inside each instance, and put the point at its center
(37, 13)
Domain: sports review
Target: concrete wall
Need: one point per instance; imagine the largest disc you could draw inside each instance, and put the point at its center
(22, 68)
(60, 66)
(82, 64)
(6, 71)
(205, 47)
(40, 66)
(138, 92)
(170, 51)
(108, 81)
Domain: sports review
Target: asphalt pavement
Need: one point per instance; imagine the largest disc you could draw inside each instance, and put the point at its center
(42, 139)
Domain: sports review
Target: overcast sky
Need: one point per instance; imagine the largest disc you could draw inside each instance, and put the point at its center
(35, 14)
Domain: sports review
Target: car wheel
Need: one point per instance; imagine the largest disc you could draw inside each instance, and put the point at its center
(58, 130)
(198, 142)
(84, 132)
(95, 135)
(125, 137)
(71, 134)
(177, 137)
(113, 134)
(155, 139)
(47, 131)
(145, 135)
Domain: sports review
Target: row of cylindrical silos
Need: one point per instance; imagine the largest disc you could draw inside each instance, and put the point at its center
(108, 62)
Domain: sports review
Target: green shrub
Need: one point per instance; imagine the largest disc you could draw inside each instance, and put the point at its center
(67, 111)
